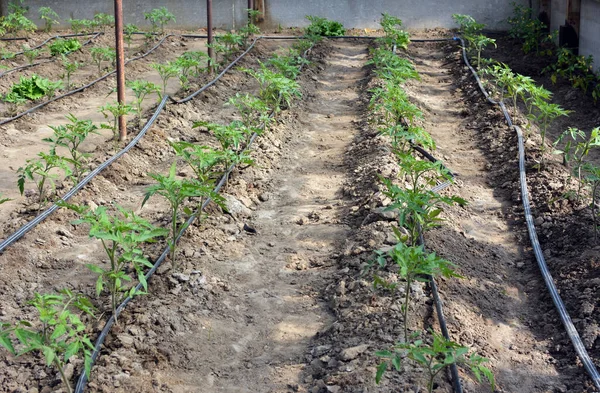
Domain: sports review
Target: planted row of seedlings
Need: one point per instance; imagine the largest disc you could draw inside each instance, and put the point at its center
(61, 333)
(532, 105)
(417, 208)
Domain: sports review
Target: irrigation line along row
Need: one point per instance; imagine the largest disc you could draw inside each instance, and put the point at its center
(437, 301)
(539, 256)
(83, 379)
(23, 67)
(82, 88)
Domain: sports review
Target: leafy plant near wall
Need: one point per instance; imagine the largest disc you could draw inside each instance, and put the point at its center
(576, 69)
(532, 32)
(62, 47)
(159, 18)
(58, 334)
(249, 29)
(577, 146)
(435, 358)
(227, 44)
(102, 54)
(288, 65)
(177, 191)
(394, 35)
(81, 25)
(103, 21)
(49, 17)
(71, 136)
(323, 27)
(122, 236)
(16, 22)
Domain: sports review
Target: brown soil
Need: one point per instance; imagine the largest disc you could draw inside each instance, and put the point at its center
(288, 309)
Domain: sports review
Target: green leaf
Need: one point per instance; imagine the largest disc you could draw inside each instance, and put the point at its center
(381, 369)
(49, 354)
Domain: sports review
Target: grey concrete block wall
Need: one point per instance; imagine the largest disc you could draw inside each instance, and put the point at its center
(589, 41)
(415, 14)
(352, 13)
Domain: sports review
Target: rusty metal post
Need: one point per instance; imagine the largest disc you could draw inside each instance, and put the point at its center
(120, 66)
(250, 7)
(209, 26)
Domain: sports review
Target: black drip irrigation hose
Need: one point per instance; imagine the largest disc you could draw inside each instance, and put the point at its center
(82, 88)
(23, 67)
(57, 37)
(83, 378)
(31, 224)
(539, 256)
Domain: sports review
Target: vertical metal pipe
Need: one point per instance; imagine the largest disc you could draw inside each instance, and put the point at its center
(209, 28)
(120, 66)
(250, 7)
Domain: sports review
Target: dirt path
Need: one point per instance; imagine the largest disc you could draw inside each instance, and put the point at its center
(253, 325)
(497, 308)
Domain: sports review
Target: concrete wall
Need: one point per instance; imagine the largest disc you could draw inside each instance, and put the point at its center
(558, 14)
(589, 37)
(352, 13)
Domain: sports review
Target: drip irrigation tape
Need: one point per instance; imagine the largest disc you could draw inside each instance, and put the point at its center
(539, 256)
(41, 217)
(191, 96)
(96, 34)
(82, 381)
(69, 93)
(44, 62)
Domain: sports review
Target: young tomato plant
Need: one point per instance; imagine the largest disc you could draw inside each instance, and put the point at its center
(70, 68)
(128, 31)
(103, 21)
(434, 358)
(100, 55)
(545, 113)
(122, 237)
(275, 89)
(141, 89)
(31, 54)
(201, 159)
(71, 136)
(394, 35)
(166, 71)
(413, 263)
(49, 17)
(41, 172)
(58, 334)
(177, 192)
(233, 138)
(159, 18)
(14, 101)
(253, 111)
(81, 25)
(114, 110)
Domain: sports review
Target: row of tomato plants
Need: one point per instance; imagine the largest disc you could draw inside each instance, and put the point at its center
(417, 210)
(59, 334)
(525, 96)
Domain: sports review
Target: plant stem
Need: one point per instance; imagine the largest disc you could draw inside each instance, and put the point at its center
(62, 375)
(406, 300)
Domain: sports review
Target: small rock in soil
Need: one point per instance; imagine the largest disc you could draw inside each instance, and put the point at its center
(353, 352)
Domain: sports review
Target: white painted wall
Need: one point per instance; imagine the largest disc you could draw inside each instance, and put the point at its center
(589, 37)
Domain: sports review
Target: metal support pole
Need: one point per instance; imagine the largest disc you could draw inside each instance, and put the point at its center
(211, 52)
(120, 66)
(251, 8)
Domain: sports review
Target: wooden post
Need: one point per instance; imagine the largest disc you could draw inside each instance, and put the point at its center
(120, 66)
(209, 27)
